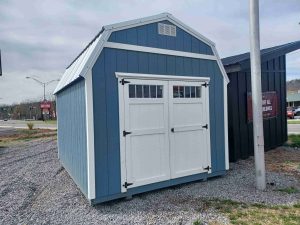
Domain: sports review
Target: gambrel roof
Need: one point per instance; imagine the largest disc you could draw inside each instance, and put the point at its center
(86, 59)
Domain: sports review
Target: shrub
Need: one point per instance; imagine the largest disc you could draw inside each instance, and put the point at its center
(30, 126)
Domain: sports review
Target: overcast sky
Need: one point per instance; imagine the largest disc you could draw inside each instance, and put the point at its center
(40, 38)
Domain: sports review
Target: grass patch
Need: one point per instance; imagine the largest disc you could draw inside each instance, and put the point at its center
(293, 140)
(293, 121)
(241, 213)
(197, 222)
(25, 135)
(289, 190)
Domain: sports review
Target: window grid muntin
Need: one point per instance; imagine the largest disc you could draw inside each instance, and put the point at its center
(145, 91)
(184, 91)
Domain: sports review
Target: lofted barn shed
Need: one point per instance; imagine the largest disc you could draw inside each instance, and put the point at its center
(143, 107)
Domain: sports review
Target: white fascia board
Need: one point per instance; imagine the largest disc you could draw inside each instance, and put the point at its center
(226, 125)
(158, 51)
(220, 64)
(90, 136)
(157, 18)
(160, 77)
(190, 30)
(136, 22)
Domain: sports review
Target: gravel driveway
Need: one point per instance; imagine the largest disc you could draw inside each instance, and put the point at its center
(35, 189)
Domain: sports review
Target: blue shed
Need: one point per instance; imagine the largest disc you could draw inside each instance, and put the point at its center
(143, 107)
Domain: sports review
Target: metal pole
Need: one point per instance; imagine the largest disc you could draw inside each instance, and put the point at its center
(44, 84)
(258, 133)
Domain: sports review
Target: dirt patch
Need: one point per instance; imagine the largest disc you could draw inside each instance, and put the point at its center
(284, 160)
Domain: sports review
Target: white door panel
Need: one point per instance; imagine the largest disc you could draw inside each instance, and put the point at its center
(146, 117)
(188, 137)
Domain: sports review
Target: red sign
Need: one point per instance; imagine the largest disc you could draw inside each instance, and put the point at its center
(269, 105)
(45, 105)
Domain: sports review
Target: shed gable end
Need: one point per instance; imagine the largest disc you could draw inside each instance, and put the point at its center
(149, 36)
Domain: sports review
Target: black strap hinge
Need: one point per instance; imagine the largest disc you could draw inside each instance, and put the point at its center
(124, 81)
(125, 133)
(125, 185)
(205, 84)
(205, 126)
(207, 168)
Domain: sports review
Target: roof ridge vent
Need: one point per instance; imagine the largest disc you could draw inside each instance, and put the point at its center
(166, 29)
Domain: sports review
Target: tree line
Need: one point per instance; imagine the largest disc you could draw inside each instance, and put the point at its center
(26, 110)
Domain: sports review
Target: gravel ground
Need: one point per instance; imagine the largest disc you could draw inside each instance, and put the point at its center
(35, 189)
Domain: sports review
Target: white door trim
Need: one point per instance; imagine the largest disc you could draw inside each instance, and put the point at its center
(160, 77)
(122, 139)
(138, 76)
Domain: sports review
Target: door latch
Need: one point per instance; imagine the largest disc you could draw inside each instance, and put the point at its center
(205, 126)
(125, 133)
(172, 130)
(125, 185)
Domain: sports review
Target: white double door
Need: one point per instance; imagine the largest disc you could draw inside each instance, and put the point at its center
(165, 130)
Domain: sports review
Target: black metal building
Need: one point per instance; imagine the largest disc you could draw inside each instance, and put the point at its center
(240, 127)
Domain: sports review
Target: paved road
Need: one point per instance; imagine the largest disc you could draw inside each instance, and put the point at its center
(22, 124)
(294, 128)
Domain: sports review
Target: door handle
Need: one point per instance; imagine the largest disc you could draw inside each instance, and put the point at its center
(172, 130)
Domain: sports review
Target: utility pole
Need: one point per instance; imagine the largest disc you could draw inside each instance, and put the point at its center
(258, 132)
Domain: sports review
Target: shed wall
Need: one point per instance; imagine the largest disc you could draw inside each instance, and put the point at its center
(72, 150)
(106, 107)
(239, 130)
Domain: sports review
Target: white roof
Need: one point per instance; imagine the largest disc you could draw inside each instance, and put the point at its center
(88, 57)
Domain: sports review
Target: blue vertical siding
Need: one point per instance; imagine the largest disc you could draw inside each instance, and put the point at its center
(72, 148)
(147, 35)
(106, 106)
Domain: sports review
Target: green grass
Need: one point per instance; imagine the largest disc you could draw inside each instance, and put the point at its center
(293, 121)
(43, 122)
(289, 190)
(293, 140)
(242, 213)
(197, 222)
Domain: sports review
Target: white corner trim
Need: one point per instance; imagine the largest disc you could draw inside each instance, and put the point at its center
(90, 136)
(159, 77)
(158, 51)
(220, 64)
(226, 126)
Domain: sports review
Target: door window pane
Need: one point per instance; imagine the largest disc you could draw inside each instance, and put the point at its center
(146, 91)
(181, 91)
(175, 91)
(153, 91)
(139, 92)
(131, 91)
(193, 92)
(159, 91)
(198, 92)
(187, 91)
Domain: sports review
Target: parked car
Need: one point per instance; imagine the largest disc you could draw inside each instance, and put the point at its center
(290, 113)
(297, 114)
